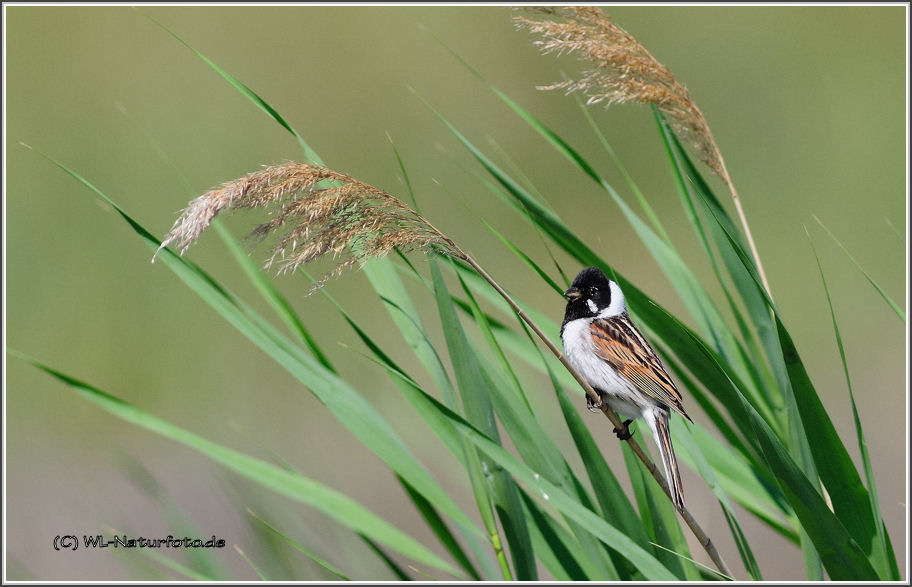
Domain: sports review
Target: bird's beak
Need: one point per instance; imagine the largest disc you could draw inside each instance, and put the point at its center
(573, 294)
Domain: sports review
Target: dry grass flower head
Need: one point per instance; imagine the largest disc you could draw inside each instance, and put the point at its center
(315, 211)
(622, 70)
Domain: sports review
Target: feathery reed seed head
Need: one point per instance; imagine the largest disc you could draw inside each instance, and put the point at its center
(316, 211)
(623, 71)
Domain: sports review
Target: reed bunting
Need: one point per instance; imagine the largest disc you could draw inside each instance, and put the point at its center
(610, 353)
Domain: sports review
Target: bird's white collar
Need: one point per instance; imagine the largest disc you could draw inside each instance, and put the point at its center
(617, 306)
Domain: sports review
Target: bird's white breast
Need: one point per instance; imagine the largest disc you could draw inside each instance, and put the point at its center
(580, 351)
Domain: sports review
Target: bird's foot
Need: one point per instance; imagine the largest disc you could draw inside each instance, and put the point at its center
(593, 406)
(624, 433)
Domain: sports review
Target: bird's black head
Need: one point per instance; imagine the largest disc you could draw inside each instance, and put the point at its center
(589, 295)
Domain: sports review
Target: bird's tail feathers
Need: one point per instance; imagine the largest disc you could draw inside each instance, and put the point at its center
(658, 421)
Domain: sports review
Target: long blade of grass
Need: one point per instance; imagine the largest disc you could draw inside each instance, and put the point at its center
(439, 527)
(778, 390)
(184, 570)
(641, 198)
(553, 545)
(829, 454)
(300, 548)
(645, 562)
(256, 568)
(881, 557)
(392, 565)
(271, 294)
(382, 275)
(405, 383)
(851, 501)
(475, 388)
(295, 486)
(839, 552)
(437, 423)
(692, 449)
(742, 270)
(682, 167)
(389, 287)
(659, 518)
(738, 471)
(524, 257)
(899, 311)
(831, 461)
(444, 429)
(721, 227)
(260, 103)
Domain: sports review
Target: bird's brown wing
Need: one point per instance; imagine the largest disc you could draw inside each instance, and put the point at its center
(618, 342)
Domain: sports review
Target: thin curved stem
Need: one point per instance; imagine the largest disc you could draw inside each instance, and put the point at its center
(747, 231)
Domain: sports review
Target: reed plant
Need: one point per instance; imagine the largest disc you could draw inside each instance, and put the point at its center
(782, 461)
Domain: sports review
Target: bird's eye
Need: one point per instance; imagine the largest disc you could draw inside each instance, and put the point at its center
(593, 290)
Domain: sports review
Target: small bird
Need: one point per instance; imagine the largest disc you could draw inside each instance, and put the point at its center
(611, 354)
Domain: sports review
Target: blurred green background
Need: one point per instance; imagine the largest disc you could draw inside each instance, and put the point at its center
(807, 105)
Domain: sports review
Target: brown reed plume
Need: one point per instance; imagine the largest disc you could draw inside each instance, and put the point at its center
(624, 71)
(317, 211)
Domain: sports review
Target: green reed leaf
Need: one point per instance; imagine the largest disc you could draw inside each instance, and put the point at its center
(295, 486)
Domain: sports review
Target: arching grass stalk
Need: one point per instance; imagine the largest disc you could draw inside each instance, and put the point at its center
(355, 222)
